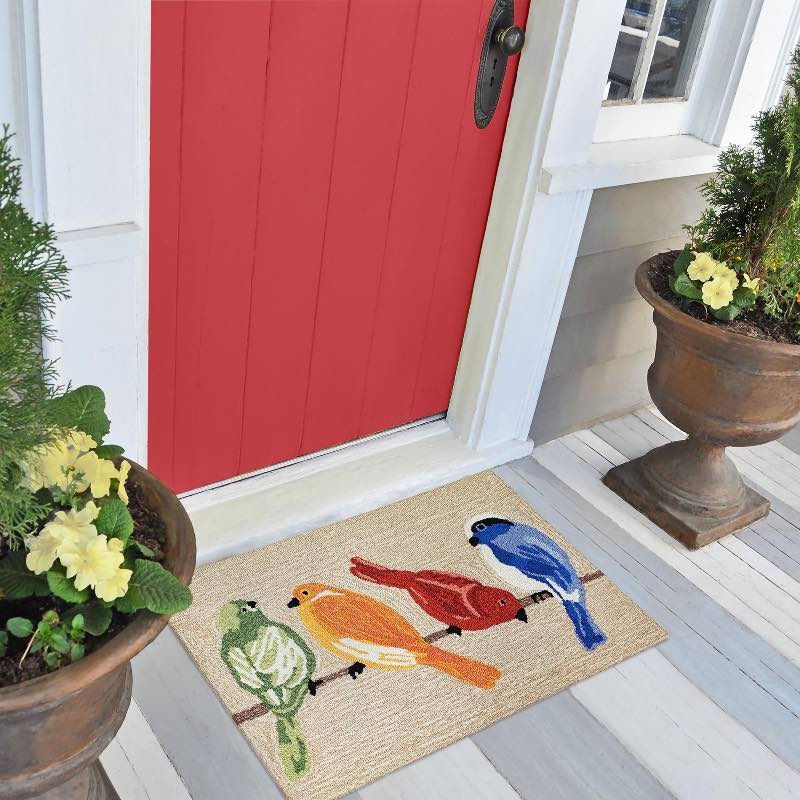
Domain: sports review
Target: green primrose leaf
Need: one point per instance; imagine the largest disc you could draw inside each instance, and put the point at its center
(727, 313)
(64, 587)
(683, 260)
(52, 660)
(59, 643)
(78, 622)
(154, 588)
(114, 520)
(16, 581)
(109, 451)
(142, 548)
(20, 627)
(76, 652)
(96, 617)
(686, 287)
(83, 409)
(744, 297)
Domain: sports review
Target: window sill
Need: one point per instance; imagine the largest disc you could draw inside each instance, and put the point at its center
(632, 161)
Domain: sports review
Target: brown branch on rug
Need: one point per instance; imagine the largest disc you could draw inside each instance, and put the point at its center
(260, 709)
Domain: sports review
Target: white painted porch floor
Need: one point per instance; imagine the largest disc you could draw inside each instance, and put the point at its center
(714, 712)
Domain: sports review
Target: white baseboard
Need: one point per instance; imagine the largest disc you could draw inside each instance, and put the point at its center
(250, 513)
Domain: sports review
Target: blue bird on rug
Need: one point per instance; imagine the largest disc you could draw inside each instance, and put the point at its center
(523, 556)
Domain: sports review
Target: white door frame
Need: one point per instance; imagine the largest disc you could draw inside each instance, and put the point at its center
(82, 110)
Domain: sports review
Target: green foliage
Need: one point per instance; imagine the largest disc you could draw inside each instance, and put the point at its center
(17, 582)
(33, 278)
(114, 519)
(84, 409)
(753, 215)
(62, 586)
(686, 287)
(19, 627)
(109, 451)
(95, 617)
(154, 588)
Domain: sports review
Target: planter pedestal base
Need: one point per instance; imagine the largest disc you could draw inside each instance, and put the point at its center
(690, 489)
(91, 783)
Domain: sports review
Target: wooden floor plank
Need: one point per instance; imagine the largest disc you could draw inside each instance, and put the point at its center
(137, 765)
(460, 770)
(730, 663)
(686, 740)
(557, 750)
(196, 731)
(558, 457)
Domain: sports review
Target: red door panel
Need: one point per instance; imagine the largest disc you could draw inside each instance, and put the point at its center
(319, 193)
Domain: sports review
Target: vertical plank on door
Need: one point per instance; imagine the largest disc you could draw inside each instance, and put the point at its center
(374, 90)
(302, 100)
(223, 120)
(470, 197)
(167, 64)
(434, 116)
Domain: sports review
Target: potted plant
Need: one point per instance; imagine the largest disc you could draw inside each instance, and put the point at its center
(95, 552)
(727, 312)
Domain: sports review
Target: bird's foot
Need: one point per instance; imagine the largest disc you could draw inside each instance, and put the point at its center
(454, 629)
(354, 670)
(312, 687)
(537, 597)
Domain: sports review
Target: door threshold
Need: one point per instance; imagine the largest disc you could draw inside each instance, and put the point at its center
(316, 454)
(251, 512)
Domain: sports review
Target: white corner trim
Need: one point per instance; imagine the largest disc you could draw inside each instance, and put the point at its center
(632, 161)
(253, 512)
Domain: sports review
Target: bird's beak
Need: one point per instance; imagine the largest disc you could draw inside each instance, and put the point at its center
(293, 603)
(522, 616)
(474, 541)
(251, 603)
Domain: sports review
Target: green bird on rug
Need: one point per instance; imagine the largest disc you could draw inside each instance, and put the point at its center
(272, 662)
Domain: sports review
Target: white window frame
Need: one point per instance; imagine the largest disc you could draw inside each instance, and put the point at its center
(724, 42)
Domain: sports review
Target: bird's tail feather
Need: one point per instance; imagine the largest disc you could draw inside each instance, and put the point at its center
(586, 628)
(465, 669)
(292, 744)
(375, 573)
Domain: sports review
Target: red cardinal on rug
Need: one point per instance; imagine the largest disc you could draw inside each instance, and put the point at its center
(459, 602)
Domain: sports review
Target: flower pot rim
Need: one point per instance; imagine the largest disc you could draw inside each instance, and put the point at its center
(717, 332)
(134, 637)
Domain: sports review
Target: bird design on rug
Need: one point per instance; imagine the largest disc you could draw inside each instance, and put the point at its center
(523, 556)
(459, 602)
(272, 662)
(363, 630)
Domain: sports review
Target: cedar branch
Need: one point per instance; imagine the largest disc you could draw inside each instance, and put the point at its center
(260, 709)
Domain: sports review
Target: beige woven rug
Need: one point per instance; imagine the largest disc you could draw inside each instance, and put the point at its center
(359, 676)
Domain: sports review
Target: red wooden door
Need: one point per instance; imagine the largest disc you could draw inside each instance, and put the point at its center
(319, 193)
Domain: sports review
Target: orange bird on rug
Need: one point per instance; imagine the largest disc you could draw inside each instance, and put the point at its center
(459, 602)
(354, 626)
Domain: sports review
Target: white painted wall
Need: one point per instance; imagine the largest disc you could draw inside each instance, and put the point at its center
(605, 338)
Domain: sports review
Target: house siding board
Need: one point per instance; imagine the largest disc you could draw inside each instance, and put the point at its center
(605, 338)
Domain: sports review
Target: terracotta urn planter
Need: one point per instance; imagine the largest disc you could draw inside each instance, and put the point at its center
(53, 728)
(723, 389)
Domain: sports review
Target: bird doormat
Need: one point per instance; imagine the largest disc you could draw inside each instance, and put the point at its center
(347, 652)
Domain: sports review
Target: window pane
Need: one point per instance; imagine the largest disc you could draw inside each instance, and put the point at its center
(676, 48)
(637, 20)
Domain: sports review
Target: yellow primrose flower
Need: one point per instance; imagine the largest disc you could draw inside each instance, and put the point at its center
(115, 586)
(122, 492)
(717, 293)
(91, 561)
(702, 268)
(53, 465)
(96, 473)
(724, 273)
(42, 551)
(60, 535)
(750, 283)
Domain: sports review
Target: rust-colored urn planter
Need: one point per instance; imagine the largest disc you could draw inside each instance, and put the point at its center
(723, 389)
(53, 728)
